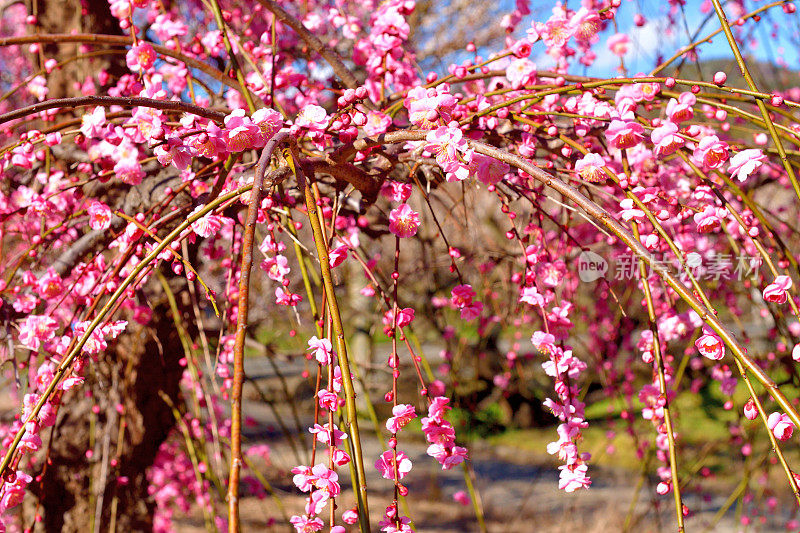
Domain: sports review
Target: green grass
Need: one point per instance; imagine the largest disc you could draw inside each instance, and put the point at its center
(701, 424)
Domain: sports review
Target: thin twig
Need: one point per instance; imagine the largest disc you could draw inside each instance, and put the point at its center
(117, 40)
(341, 347)
(241, 330)
(662, 384)
(314, 43)
(759, 102)
(84, 101)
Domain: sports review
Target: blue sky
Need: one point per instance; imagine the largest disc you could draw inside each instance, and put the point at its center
(658, 36)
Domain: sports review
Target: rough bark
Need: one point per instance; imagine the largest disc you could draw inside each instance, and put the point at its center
(143, 362)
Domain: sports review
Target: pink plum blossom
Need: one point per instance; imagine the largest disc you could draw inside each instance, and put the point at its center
(590, 168)
(45, 375)
(323, 434)
(322, 349)
(447, 455)
(781, 425)
(13, 492)
(277, 268)
(666, 140)
(313, 117)
(269, 122)
(427, 107)
(624, 133)
(745, 163)
(337, 255)
(36, 330)
(709, 218)
(462, 498)
(777, 291)
(317, 502)
(403, 221)
(130, 171)
(70, 383)
(405, 317)
(329, 400)
(99, 215)
(520, 72)
(306, 524)
(710, 345)
(241, 133)
(711, 152)
(402, 414)
(618, 44)
(350, 516)
(531, 296)
(396, 191)
(50, 284)
(92, 123)
(680, 110)
(462, 295)
(586, 24)
(446, 143)
(630, 211)
(386, 465)
(303, 478)
(573, 477)
(750, 410)
(140, 57)
(326, 480)
(557, 30)
(487, 169)
(377, 123)
(208, 225)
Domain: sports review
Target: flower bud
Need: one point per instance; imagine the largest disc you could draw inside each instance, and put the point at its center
(750, 411)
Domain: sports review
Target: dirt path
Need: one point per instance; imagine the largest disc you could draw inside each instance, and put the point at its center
(519, 490)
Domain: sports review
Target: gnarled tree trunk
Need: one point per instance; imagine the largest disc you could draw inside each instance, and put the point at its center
(78, 491)
(63, 16)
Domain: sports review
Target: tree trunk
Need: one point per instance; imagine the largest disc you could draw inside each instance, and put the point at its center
(77, 491)
(63, 16)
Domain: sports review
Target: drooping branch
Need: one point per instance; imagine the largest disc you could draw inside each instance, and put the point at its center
(762, 107)
(84, 101)
(75, 351)
(604, 217)
(235, 68)
(601, 215)
(241, 330)
(341, 348)
(119, 40)
(658, 363)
